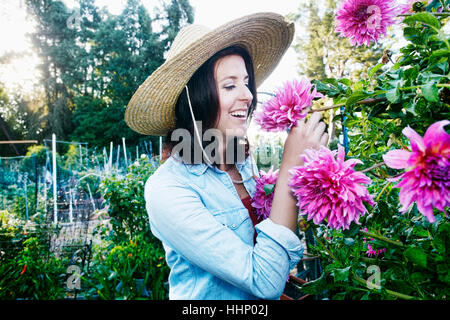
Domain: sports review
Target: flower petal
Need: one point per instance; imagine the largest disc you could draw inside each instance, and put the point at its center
(435, 137)
(416, 140)
(397, 159)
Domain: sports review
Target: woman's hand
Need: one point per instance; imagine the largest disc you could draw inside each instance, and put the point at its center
(305, 135)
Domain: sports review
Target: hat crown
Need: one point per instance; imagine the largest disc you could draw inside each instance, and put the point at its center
(185, 37)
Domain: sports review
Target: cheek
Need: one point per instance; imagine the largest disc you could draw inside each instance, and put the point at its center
(225, 104)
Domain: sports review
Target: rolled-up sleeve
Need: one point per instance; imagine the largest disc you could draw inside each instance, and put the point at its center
(179, 218)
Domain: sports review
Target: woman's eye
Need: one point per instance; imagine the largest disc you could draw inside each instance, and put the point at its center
(230, 87)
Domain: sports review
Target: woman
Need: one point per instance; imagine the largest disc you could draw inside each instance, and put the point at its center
(198, 200)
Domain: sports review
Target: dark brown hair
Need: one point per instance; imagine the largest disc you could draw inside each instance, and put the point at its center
(205, 101)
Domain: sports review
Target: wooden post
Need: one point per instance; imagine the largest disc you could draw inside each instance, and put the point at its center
(125, 152)
(70, 206)
(110, 156)
(160, 148)
(55, 195)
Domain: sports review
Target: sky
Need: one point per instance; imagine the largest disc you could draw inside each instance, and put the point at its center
(23, 74)
(211, 13)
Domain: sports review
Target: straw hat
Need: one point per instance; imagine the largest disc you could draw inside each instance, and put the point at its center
(266, 36)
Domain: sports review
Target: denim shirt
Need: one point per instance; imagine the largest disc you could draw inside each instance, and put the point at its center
(207, 235)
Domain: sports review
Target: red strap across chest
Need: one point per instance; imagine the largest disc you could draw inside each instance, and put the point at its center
(247, 202)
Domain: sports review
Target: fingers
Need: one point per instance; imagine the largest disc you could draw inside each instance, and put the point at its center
(313, 121)
(301, 122)
(324, 140)
(320, 129)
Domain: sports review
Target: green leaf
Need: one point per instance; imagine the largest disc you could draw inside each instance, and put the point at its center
(352, 231)
(423, 17)
(409, 33)
(417, 256)
(445, 278)
(366, 296)
(328, 90)
(345, 81)
(393, 95)
(316, 286)
(339, 296)
(355, 97)
(373, 70)
(440, 53)
(341, 274)
(412, 73)
(349, 241)
(268, 189)
(430, 92)
(332, 81)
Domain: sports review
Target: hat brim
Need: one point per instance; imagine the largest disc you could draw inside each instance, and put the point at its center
(266, 36)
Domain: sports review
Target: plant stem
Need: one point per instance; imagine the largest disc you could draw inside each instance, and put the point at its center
(374, 100)
(438, 14)
(390, 292)
(365, 101)
(382, 238)
(372, 167)
(382, 191)
(323, 246)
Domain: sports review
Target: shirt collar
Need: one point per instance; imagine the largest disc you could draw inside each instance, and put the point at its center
(199, 169)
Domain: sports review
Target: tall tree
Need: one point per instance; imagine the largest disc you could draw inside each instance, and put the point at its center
(93, 61)
(126, 51)
(21, 118)
(322, 53)
(55, 44)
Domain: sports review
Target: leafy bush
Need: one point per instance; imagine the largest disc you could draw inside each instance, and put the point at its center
(131, 260)
(28, 269)
(390, 255)
(133, 270)
(125, 201)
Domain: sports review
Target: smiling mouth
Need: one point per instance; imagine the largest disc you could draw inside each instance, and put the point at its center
(239, 114)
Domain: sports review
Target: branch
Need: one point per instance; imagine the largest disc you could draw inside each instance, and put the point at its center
(377, 165)
(365, 101)
(382, 238)
(390, 292)
(438, 14)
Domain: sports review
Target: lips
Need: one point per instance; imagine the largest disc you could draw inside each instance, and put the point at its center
(241, 114)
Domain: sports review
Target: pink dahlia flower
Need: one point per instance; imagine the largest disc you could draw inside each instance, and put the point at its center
(363, 21)
(262, 199)
(290, 105)
(329, 188)
(427, 177)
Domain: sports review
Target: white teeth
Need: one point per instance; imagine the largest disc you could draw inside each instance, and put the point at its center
(239, 114)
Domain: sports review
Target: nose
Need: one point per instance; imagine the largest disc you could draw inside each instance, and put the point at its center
(246, 94)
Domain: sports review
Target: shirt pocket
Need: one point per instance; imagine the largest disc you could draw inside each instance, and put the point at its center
(238, 221)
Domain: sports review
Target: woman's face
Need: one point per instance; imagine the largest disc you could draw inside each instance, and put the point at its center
(235, 98)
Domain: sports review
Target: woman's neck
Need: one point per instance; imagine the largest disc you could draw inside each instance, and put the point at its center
(223, 165)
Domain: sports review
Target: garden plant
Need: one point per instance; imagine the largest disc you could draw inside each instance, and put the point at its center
(379, 205)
